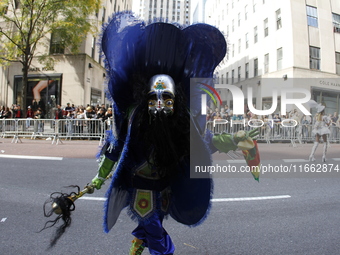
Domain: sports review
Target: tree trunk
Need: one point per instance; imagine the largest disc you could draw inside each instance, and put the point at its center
(24, 87)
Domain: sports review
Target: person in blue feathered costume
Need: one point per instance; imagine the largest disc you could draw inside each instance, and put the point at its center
(159, 131)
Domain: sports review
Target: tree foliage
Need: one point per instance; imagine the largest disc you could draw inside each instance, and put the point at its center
(26, 27)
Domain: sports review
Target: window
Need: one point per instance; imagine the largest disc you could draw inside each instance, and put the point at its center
(3, 9)
(314, 57)
(256, 67)
(16, 4)
(255, 35)
(247, 41)
(93, 49)
(337, 62)
(239, 45)
(279, 58)
(104, 15)
(266, 63)
(232, 76)
(246, 12)
(57, 44)
(227, 78)
(239, 19)
(239, 74)
(265, 26)
(254, 6)
(247, 71)
(312, 16)
(278, 19)
(336, 22)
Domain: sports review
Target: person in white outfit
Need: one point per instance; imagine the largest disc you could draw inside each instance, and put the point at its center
(320, 129)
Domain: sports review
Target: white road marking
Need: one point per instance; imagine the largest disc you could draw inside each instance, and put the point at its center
(3, 219)
(295, 160)
(236, 161)
(214, 199)
(336, 159)
(30, 157)
(93, 198)
(249, 198)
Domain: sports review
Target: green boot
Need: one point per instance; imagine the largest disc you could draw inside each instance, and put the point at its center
(137, 247)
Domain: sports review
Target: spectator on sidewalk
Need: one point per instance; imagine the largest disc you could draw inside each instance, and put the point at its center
(29, 116)
(17, 112)
(334, 129)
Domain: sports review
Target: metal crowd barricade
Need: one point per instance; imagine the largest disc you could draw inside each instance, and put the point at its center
(79, 129)
(55, 130)
(9, 128)
(270, 131)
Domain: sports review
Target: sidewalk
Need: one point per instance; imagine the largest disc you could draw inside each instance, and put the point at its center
(40, 147)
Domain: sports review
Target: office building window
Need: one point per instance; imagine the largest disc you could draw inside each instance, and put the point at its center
(256, 67)
(246, 71)
(239, 19)
(239, 45)
(279, 58)
(255, 35)
(227, 78)
(104, 15)
(265, 26)
(278, 19)
(246, 12)
(247, 41)
(337, 62)
(93, 50)
(314, 57)
(56, 44)
(266, 63)
(239, 74)
(232, 76)
(336, 22)
(312, 16)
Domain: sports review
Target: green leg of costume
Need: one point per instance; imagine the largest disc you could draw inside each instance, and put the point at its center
(137, 247)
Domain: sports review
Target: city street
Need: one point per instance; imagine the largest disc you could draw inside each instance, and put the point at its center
(281, 214)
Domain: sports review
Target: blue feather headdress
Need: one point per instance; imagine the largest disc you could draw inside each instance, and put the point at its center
(132, 47)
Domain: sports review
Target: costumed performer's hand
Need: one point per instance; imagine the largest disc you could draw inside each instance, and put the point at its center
(105, 167)
(98, 182)
(244, 139)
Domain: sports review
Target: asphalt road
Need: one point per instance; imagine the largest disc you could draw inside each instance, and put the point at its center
(295, 215)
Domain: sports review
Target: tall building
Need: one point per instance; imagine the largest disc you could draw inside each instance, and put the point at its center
(198, 11)
(75, 78)
(169, 10)
(280, 45)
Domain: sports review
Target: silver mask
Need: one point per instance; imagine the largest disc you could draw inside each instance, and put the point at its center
(161, 94)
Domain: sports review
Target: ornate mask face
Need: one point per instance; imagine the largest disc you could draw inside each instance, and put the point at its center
(161, 94)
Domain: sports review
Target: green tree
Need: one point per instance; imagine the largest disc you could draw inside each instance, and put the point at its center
(26, 27)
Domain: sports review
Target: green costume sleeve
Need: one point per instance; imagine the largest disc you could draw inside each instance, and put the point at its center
(105, 167)
(224, 142)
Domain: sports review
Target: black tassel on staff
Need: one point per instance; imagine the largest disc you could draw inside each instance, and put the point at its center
(62, 204)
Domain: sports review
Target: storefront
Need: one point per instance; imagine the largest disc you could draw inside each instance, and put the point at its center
(42, 91)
